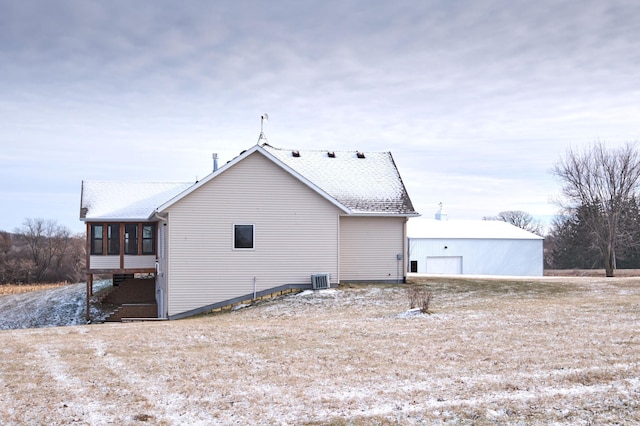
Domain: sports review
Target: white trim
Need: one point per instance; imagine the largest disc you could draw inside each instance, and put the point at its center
(407, 215)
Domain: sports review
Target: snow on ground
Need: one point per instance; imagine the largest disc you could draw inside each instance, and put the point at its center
(492, 352)
(65, 305)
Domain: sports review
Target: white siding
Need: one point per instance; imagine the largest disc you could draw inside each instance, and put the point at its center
(139, 262)
(369, 247)
(296, 235)
(483, 256)
(104, 262)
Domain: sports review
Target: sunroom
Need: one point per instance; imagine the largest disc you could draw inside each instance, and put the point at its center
(121, 248)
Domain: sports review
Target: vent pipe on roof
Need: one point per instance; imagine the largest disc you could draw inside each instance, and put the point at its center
(440, 214)
(215, 161)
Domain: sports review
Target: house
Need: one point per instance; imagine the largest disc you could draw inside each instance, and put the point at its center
(473, 247)
(266, 221)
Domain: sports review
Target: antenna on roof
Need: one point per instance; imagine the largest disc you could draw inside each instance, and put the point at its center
(264, 117)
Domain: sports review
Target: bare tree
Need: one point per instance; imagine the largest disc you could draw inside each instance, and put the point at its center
(47, 244)
(603, 181)
(520, 219)
(5, 248)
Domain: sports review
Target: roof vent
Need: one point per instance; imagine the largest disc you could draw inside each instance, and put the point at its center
(331, 154)
(360, 154)
(295, 153)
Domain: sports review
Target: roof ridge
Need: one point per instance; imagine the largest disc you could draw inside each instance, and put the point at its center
(267, 146)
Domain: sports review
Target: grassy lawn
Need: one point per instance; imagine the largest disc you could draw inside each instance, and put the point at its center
(558, 350)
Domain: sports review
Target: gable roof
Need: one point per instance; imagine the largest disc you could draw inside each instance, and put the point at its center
(370, 185)
(467, 229)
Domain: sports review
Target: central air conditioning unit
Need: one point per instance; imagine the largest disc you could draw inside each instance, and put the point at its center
(320, 281)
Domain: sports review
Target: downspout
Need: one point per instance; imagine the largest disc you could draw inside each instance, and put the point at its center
(163, 295)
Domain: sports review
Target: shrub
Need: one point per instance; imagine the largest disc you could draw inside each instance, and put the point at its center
(419, 297)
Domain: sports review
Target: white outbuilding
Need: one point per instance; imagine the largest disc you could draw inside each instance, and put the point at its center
(472, 247)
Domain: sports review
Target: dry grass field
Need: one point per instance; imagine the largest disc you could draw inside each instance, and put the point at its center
(559, 350)
(6, 289)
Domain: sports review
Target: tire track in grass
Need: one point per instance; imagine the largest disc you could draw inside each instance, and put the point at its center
(76, 402)
(8, 403)
(152, 401)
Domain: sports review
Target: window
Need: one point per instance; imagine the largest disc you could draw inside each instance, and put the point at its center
(243, 237)
(113, 238)
(131, 238)
(128, 238)
(149, 239)
(96, 239)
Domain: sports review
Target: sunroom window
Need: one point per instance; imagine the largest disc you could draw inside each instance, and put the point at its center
(131, 238)
(113, 238)
(123, 238)
(97, 239)
(149, 239)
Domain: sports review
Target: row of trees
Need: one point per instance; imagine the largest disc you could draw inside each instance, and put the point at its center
(41, 251)
(599, 223)
(571, 242)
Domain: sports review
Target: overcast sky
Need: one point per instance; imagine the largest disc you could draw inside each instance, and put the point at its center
(475, 99)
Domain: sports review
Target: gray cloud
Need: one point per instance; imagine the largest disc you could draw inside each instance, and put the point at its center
(481, 97)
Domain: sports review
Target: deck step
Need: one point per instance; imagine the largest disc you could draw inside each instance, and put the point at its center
(134, 310)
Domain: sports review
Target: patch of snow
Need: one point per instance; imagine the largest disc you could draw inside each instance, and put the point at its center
(62, 306)
(240, 306)
(412, 313)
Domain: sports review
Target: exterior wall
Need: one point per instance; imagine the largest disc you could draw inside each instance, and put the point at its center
(482, 256)
(136, 262)
(369, 247)
(104, 262)
(296, 235)
(130, 262)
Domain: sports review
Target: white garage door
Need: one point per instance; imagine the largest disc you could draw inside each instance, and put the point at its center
(446, 265)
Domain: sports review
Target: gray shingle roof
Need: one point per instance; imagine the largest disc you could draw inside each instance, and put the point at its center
(368, 183)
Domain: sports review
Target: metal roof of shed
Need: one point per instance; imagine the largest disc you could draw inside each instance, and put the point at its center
(467, 229)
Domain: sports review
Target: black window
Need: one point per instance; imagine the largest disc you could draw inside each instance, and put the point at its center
(149, 239)
(97, 239)
(113, 238)
(414, 266)
(243, 236)
(131, 238)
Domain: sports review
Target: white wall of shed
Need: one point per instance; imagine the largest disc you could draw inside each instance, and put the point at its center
(296, 235)
(483, 256)
(369, 247)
